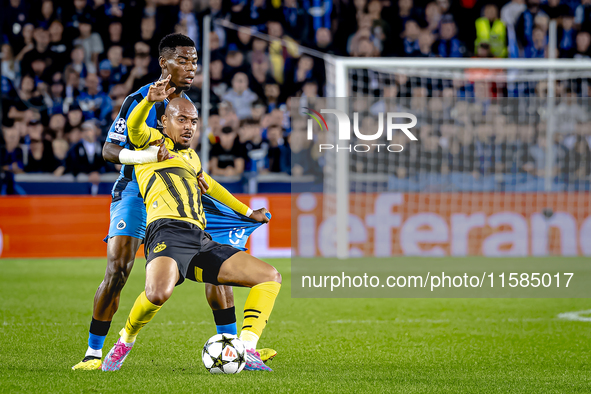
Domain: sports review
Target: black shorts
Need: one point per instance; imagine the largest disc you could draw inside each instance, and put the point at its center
(197, 256)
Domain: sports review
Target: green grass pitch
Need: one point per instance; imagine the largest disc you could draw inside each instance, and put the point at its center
(325, 345)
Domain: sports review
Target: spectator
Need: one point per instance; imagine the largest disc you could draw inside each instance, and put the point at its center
(15, 17)
(583, 42)
(272, 92)
(295, 20)
(57, 126)
(228, 116)
(39, 157)
(78, 64)
(74, 136)
(279, 44)
(554, 9)
(72, 17)
(227, 156)
(11, 159)
(143, 71)
(46, 15)
(260, 67)
(583, 15)
(95, 103)
(187, 16)
(10, 66)
(85, 157)
(91, 42)
(432, 17)
(323, 41)
(27, 105)
(251, 138)
(40, 51)
(406, 11)
(234, 62)
(567, 36)
(524, 28)
(425, 44)
(320, 18)
(278, 158)
(410, 41)
(257, 111)
(216, 79)
(302, 162)
(147, 34)
(60, 151)
(112, 69)
(448, 45)
(240, 96)
(75, 118)
(538, 47)
(72, 90)
(491, 30)
(57, 95)
(196, 91)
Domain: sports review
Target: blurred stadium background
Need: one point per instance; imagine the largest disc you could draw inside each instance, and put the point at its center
(502, 165)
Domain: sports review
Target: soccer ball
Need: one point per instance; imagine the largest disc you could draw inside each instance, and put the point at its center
(224, 353)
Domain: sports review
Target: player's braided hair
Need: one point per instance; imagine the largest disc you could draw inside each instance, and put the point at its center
(169, 43)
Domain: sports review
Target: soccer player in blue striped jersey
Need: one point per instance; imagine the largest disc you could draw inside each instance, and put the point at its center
(178, 58)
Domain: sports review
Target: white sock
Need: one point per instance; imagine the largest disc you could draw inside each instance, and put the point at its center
(250, 339)
(94, 353)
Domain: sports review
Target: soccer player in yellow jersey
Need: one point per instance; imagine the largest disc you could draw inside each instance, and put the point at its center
(176, 245)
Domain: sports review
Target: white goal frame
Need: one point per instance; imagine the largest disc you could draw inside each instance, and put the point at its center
(342, 65)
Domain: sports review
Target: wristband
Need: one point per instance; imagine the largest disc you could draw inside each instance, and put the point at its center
(148, 155)
(249, 212)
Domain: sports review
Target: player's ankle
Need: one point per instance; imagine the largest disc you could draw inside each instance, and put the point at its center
(94, 352)
(250, 339)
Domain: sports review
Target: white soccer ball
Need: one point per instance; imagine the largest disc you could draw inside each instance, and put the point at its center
(224, 353)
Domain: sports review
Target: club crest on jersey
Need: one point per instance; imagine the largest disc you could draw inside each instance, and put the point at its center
(120, 125)
(121, 225)
(160, 247)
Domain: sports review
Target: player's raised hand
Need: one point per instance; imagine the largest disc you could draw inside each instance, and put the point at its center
(260, 215)
(158, 91)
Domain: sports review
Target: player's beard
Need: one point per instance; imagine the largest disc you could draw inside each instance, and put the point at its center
(178, 89)
(182, 146)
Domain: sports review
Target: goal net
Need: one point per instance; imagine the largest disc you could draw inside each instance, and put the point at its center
(501, 166)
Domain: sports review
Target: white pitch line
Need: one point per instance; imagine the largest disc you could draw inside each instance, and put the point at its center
(576, 316)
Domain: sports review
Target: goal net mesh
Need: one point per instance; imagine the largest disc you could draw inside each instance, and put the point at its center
(480, 179)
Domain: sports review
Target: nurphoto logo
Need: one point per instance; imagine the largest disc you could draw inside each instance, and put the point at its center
(344, 130)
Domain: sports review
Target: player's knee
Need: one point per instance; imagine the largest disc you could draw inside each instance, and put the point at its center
(272, 275)
(158, 296)
(118, 272)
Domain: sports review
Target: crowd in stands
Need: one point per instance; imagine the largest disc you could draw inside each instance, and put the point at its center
(68, 65)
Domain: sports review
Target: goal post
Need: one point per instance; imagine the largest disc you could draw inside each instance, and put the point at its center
(340, 71)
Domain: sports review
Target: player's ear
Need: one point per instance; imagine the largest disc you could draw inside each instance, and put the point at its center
(164, 119)
(162, 62)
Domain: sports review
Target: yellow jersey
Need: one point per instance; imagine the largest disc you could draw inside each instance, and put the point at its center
(170, 188)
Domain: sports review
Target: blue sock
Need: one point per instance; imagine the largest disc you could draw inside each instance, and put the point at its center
(96, 342)
(225, 321)
(97, 333)
(227, 329)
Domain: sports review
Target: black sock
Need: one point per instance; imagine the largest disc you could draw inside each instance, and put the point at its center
(225, 320)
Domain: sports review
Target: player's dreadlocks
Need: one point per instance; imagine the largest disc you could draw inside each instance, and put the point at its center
(169, 43)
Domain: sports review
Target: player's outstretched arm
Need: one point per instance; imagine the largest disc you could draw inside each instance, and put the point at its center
(220, 193)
